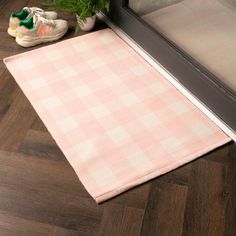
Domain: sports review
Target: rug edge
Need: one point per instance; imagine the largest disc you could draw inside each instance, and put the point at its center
(157, 173)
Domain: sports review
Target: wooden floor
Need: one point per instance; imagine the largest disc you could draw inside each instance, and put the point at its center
(40, 194)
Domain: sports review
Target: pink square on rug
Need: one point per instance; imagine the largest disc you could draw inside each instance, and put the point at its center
(116, 119)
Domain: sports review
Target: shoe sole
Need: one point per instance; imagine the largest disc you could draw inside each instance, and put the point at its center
(11, 32)
(33, 41)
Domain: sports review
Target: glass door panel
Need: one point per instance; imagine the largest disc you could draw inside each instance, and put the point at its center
(204, 29)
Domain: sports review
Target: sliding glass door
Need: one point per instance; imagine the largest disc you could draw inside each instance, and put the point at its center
(195, 40)
(203, 29)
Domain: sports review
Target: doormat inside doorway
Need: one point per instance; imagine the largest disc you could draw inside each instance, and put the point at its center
(116, 119)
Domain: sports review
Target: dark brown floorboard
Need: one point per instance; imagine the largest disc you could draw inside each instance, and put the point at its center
(40, 195)
(205, 206)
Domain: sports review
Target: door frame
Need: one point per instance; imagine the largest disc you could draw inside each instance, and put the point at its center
(196, 79)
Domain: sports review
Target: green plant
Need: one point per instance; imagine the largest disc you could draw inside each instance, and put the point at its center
(84, 8)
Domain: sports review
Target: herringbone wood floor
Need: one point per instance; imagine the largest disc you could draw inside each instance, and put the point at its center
(40, 194)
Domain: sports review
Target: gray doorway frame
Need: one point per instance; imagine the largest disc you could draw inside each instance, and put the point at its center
(200, 82)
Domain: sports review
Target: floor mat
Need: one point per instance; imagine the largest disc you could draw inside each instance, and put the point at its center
(116, 119)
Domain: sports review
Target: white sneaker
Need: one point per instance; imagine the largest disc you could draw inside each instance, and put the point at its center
(25, 13)
(37, 30)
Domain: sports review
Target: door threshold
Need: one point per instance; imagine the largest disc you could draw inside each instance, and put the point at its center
(173, 80)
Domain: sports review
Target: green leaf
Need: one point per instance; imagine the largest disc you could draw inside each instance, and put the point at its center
(84, 8)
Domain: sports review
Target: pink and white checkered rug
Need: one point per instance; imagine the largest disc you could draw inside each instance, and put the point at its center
(116, 119)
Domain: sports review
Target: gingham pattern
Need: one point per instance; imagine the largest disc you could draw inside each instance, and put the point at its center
(117, 120)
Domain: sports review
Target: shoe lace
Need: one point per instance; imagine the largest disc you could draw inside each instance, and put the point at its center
(32, 10)
(39, 18)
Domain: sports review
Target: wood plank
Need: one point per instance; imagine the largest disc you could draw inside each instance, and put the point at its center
(136, 197)
(205, 210)
(131, 221)
(219, 154)
(164, 214)
(111, 220)
(68, 232)
(38, 125)
(121, 220)
(230, 192)
(15, 226)
(178, 176)
(41, 144)
(2, 68)
(17, 121)
(8, 91)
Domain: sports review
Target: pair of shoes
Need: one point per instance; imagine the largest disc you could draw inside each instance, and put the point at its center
(32, 26)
